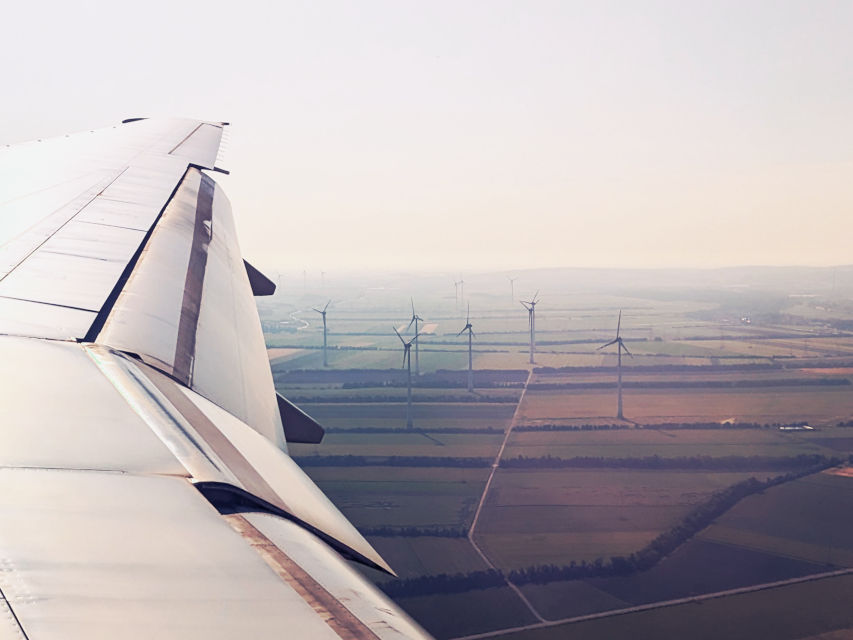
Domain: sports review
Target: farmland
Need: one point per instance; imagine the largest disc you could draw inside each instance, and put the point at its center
(786, 613)
(705, 394)
(544, 516)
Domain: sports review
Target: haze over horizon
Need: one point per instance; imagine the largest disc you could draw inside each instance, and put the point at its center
(479, 135)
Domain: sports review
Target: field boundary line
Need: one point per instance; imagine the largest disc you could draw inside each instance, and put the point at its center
(660, 605)
(486, 488)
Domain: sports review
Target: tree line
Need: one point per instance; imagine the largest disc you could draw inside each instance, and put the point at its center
(418, 430)
(667, 542)
(378, 397)
(414, 532)
(391, 461)
(663, 426)
(646, 558)
(443, 583)
(727, 463)
(693, 384)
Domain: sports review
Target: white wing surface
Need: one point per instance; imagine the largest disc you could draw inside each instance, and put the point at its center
(145, 486)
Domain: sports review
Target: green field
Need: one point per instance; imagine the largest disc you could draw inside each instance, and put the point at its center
(473, 445)
(557, 516)
(456, 614)
(820, 532)
(328, 393)
(428, 555)
(402, 496)
(785, 613)
(756, 541)
(390, 414)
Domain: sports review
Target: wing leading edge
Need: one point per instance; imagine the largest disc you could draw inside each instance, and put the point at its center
(145, 486)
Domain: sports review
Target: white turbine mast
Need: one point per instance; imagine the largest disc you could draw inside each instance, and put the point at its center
(470, 331)
(530, 305)
(407, 362)
(323, 313)
(414, 321)
(620, 346)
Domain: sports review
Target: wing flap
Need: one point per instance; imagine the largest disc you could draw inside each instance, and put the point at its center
(188, 308)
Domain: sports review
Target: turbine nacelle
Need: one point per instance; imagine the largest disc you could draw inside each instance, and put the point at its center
(407, 345)
(323, 312)
(468, 326)
(618, 339)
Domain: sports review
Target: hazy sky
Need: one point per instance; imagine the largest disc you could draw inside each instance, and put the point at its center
(478, 135)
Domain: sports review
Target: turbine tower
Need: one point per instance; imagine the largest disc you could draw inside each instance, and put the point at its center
(407, 361)
(470, 331)
(414, 321)
(323, 313)
(512, 288)
(460, 291)
(530, 305)
(620, 346)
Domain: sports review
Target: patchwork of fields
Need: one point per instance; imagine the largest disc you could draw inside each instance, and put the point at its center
(591, 487)
(568, 515)
(799, 611)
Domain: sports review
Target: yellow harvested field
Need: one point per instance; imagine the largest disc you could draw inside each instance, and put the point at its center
(844, 472)
(278, 353)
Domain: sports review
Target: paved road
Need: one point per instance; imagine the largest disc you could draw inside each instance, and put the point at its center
(305, 323)
(659, 605)
(476, 519)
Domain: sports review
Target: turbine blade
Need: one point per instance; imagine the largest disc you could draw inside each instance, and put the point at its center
(468, 317)
(327, 306)
(411, 322)
(619, 324)
(399, 336)
(606, 345)
(622, 345)
(413, 307)
(461, 332)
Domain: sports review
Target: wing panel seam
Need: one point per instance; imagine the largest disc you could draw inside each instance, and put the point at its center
(14, 615)
(109, 303)
(62, 226)
(342, 621)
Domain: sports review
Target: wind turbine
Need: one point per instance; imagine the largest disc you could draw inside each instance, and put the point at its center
(407, 361)
(530, 305)
(414, 321)
(620, 346)
(470, 331)
(323, 313)
(512, 287)
(460, 290)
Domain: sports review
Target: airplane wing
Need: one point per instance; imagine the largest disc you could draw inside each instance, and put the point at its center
(145, 485)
